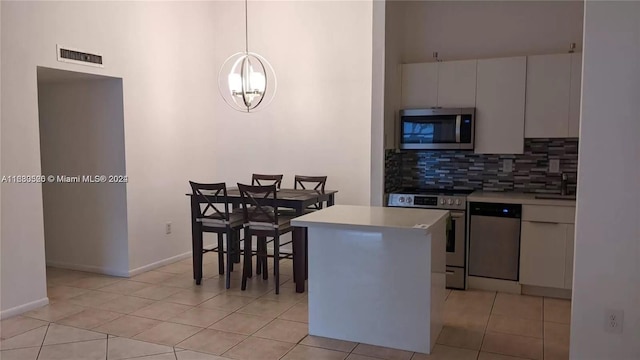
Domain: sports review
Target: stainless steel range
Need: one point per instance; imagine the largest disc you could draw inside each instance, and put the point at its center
(456, 202)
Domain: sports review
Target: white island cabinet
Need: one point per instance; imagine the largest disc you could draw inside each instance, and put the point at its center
(377, 275)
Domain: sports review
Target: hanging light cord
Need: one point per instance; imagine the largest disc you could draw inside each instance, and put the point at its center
(246, 27)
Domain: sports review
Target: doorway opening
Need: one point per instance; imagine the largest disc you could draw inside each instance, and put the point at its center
(82, 151)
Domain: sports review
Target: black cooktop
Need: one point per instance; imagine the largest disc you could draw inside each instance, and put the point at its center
(427, 191)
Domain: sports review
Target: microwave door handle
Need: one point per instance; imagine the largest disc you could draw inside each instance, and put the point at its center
(458, 124)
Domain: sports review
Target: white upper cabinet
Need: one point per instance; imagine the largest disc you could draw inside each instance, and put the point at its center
(500, 98)
(419, 85)
(515, 98)
(575, 93)
(548, 96)
(457, 84)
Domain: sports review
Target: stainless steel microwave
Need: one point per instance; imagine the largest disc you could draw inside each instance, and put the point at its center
(437, 129)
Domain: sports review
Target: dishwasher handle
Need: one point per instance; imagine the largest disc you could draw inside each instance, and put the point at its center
(513, 211)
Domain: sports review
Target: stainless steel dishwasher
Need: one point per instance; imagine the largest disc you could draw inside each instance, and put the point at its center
(494, 241)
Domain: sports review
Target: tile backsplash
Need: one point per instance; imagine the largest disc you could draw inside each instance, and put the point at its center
(455, 169)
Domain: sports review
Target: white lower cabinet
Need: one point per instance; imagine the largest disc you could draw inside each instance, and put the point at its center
(546, 251)
(543, 254)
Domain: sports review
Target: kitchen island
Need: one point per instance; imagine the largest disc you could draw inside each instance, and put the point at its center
(377, 275)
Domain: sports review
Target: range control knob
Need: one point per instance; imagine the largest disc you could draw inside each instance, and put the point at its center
(409, 200)
(458, 202)
(450, 201)
(441, 201)
(401, 199)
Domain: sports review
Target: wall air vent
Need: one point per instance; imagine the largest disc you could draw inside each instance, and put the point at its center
(66, 54)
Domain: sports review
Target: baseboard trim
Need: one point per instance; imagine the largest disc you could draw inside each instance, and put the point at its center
(480, 283)
(89, 268)
(546, 292)
(133, 272)
(158, 264)
(20, 309)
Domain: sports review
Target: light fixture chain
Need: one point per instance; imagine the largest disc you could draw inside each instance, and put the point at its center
(246, 26)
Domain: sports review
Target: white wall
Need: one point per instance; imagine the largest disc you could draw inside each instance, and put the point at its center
(485, 29)
(165, 98)
(82, 133)
(320, 120)
(1, 247)
(607, 251)
(176, 125)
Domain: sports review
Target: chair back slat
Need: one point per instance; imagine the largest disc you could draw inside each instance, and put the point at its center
(259, 205)
(318, 183)
(261, 179)
(213, 194)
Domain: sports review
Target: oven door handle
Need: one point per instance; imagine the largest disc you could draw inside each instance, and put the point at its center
(458, 125)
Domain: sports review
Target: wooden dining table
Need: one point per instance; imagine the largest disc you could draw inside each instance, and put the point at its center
(297, 199)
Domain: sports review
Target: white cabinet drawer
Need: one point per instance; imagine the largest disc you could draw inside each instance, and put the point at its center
(551, 214)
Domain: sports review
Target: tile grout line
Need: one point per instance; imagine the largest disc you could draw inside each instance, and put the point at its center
(207, 328)
(43, 338)
(486, 326)
(543, 328)
(75, 342)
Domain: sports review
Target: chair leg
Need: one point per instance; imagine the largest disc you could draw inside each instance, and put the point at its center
(276, 261)
(234, 245)
(197, 257)
(221, 253)
(259, 258)
(243, 250)
(247, 258)
(230, 239)
(258, 251)
(236, 248)
(265, 259)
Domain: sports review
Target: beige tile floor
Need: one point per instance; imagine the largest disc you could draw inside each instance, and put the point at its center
(163, 315)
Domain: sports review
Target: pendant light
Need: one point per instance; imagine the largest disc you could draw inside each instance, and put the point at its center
(246, 80)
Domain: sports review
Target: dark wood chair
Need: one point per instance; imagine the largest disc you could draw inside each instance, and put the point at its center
(306, 182)
(262, 221)
(260, 180)
(316, 183)
(218, 219)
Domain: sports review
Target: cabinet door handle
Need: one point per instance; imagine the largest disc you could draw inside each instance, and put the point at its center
(449, 272)
(544, 222)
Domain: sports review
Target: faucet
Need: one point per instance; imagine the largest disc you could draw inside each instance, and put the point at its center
(563, 184)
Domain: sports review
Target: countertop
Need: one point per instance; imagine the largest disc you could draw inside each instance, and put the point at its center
(516, 198)
(350, 216)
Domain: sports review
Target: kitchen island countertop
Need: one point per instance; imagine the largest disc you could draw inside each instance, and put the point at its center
(372, 217)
